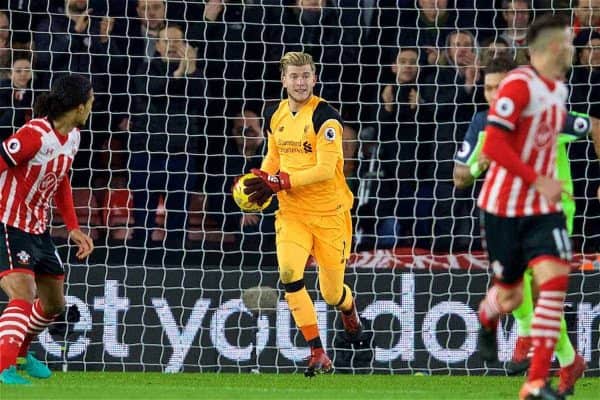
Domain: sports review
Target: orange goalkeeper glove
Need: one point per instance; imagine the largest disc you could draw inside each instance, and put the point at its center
(264, 185)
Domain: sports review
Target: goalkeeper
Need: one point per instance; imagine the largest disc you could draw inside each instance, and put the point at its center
(469, 164)
(304, 166)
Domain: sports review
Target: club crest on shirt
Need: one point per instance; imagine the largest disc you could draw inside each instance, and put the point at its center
(23, 257)
(330, 134)
(49, 182)
(13, 146)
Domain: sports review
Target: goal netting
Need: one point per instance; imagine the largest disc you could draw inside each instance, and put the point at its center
(172, 285)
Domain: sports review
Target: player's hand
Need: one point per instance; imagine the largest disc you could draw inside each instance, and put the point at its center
(483, 163)
(598, 194)
(264, 185)
(84, 243)
(550, 188)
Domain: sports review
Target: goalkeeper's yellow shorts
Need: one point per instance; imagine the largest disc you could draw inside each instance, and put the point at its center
(327, 238)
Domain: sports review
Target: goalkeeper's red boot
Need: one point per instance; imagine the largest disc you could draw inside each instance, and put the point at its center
(351, 321)
(520, 359)
(318, 363)
(570, 374)
(538, 389)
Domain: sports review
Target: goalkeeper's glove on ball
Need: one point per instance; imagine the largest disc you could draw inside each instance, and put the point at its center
(264, 185)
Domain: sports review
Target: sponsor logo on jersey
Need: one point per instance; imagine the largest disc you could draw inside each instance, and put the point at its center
(307, 147)
(330, 134)
(49, 182)
(505, 107)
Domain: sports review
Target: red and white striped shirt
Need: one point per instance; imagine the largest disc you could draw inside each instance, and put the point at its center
(34, 165)
(525, 118)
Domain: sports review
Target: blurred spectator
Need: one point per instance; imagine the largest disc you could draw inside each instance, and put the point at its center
(585, 78)
(167, 124)
(491, 48)
(517, 15)
(76, 40)
(586, 15)
(142, 31)
(16, 95)
(229, 34)
(453, 93)
(4, 46)
(243, 149)
(435, 20)
(311, 26)
(403, 201)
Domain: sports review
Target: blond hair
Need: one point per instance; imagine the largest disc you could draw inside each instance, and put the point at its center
(297, 59)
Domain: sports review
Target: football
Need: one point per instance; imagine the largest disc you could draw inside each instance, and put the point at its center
(241, 198)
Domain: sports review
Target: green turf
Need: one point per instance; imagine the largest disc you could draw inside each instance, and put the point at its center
(93, 385)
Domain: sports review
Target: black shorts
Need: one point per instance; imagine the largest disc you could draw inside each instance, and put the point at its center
(24, 252)
(513, 244)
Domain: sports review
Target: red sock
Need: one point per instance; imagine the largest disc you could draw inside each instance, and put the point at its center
(545, 327)
(13, 327)
(490, 310)
(38, 321)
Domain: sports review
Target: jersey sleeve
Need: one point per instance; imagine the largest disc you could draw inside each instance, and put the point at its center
(467, 154)
(328, 126)
(20, 147)
(577, 126)
(511, 100)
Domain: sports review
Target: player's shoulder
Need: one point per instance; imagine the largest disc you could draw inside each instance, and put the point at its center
(36, 127)
(520, 76)
(269, 110)
(324, 112)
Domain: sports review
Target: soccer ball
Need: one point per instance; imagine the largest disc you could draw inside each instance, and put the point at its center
(241, 198)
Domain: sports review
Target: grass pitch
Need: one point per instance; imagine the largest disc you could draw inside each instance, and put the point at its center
(115, 385)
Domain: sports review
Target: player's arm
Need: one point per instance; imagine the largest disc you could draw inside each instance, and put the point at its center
(466, 162)
(66, 207)
(328, 152)
(20, 147)
(595, 134)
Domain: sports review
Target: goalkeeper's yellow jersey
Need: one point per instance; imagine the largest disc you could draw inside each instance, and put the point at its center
(308, 146)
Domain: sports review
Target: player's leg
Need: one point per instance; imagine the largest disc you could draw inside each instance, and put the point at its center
(333, 240)
(293, 242)
(49, 278)
(49, 305)
(502, 243)
(523, 316)
(20, 289)
(572, 365)
(547, 249)
(18, 283)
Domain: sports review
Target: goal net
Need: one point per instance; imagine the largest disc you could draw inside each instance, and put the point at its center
(180, 87)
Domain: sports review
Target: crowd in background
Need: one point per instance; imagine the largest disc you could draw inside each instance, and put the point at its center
(180, 87)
